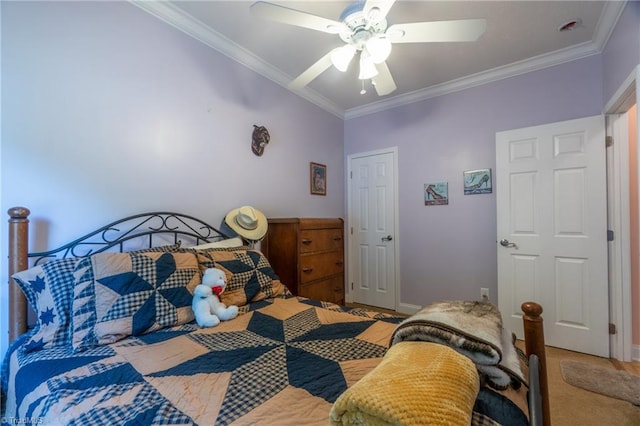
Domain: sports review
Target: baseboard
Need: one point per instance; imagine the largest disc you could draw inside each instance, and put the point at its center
(635, 352)
(405, 308)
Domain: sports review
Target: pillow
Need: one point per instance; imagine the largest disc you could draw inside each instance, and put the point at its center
(48, 288)
(122, 294)
(229, 242)
(250, 277)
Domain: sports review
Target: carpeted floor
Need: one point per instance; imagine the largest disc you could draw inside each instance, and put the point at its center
(573, 406)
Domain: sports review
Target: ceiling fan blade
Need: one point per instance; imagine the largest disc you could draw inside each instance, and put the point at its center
(295, 17)
(311, 73)
(437, 31)
(383, 82)
(383, 7)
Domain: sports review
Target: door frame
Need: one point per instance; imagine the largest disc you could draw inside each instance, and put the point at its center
(618, 183)
(351, 262)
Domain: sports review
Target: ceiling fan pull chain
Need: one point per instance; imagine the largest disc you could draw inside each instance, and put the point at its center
(362, 92)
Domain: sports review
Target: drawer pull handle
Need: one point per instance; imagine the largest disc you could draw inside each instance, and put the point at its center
(307, 270)
(307, 242)
(337, 238)
(339, 262)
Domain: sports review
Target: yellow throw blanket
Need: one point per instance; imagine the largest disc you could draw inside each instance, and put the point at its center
(472, 328)
(417, 383)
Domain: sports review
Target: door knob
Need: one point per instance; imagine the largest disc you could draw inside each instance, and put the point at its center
(506, 243)
(387, 238)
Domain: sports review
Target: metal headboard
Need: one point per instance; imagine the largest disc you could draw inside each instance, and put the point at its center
(143, 228)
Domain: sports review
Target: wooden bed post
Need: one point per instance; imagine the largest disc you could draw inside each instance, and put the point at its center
(534, 344)
(18, 261)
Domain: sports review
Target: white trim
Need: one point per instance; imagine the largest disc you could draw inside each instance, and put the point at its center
(500, 73)
(620, 304)
(409, 309)
(635, 353)
(611, 12)
(176, 17)
(179, 19)
(623, 98)
(399, 307)
(619, 248)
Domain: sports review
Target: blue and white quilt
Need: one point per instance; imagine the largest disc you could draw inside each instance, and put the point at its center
(284, 359)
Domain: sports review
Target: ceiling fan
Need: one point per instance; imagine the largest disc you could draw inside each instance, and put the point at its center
(363, 28)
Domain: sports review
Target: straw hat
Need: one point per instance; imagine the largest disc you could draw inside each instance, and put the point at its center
(248, 222)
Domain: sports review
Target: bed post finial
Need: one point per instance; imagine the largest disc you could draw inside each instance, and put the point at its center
(18, 261)
(534, 344)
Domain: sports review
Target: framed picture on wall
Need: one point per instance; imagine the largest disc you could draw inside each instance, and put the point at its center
(436, 194)
(477, 182)
(318, 179)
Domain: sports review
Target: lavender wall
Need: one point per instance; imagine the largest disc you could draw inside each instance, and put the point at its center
(107, 111)
(449, 252)
(621, 55)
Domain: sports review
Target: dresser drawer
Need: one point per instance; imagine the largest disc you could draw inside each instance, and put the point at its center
(329, 290)
(312, 240)
(308, 255)
(316, 266)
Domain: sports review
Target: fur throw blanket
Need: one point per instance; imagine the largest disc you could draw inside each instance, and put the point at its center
(473, 329)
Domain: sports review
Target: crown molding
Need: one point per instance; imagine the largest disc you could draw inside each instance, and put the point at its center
(517, 68)
(176, 17)
(611, 12)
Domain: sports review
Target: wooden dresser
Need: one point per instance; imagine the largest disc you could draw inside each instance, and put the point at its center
(308, 256)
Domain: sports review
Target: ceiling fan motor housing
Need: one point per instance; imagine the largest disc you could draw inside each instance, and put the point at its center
(360, 28)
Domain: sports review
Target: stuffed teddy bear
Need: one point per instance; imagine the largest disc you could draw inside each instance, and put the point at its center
(206, 305)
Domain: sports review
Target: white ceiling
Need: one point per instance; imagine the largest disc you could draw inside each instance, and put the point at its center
(521, 36)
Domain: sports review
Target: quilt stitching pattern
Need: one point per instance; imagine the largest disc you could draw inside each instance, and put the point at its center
(248, 390)
(300, 324)
(50, 302)
(249, 269)
(304, 350)
(313, 363)
(231, 341)
(140, 296)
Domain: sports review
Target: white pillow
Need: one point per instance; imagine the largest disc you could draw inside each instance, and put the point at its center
(229, 242)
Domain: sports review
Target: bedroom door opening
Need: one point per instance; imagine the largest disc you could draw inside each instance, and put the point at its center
(552, 230)
(372, 229)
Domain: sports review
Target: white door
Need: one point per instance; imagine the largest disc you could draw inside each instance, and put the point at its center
(372, 229)
(552, 231)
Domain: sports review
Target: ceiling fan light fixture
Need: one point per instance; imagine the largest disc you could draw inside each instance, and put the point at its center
(367, 66)
(341, 56)
(379, 48)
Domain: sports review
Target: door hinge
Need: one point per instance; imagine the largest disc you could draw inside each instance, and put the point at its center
(352, 286)
(608, 141)
(612, 328)
(610, 235)
(351, 175)
(351, 230)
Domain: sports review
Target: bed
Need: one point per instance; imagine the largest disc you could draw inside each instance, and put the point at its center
(114, 342)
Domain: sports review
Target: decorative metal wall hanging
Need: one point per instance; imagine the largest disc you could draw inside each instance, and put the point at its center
(259, 139)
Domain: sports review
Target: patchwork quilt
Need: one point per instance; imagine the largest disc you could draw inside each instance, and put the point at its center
(284, 359)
